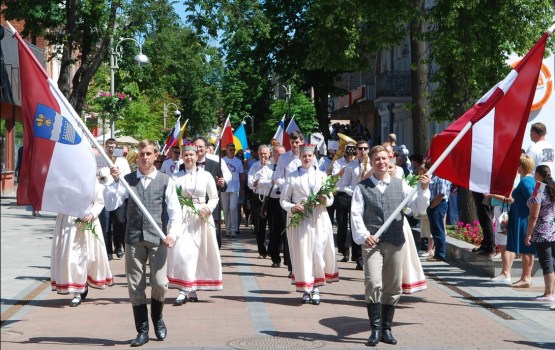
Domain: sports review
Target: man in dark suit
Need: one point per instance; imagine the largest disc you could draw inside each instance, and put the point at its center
(215, 169)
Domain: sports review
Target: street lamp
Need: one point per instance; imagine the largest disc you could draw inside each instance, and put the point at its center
(252, 122)
(288, 99)
(176, 112)
(116, 54)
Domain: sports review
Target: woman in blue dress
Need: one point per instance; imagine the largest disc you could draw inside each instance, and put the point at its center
(518, 220)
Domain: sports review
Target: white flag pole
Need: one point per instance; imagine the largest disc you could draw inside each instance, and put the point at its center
(403, 204)
(91, 138)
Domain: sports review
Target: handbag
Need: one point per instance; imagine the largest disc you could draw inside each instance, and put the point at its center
(263, 213)
(504, 217)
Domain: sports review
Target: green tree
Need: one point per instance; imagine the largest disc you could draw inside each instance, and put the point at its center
(470, 43)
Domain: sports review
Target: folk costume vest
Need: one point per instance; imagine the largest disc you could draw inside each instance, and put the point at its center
(154, 199)
(379, 206)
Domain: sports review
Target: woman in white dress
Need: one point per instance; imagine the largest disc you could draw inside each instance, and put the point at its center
(311, 241)
(78, 256)
(413, 279)
(194, 263)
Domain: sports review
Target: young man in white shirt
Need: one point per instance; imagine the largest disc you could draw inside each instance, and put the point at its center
(542, 152)
(171, 165)
(234, 188)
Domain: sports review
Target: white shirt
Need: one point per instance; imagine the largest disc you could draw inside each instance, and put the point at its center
(262, 173)
(170, 166)
(417, 204)
(351, 176)
(115, 195)
(542, 153)
(287, 163)
(338, 165)
(235, 166)
(324, 164)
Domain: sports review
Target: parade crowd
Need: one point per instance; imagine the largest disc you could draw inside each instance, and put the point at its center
(292, 199)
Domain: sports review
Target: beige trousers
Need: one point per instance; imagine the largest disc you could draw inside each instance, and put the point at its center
(383, 272)
(136, 256)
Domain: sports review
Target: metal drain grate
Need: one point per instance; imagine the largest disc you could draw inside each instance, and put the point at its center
(275, 343)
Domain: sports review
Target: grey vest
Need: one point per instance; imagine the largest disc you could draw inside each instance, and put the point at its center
(379, 206)
(154, 199)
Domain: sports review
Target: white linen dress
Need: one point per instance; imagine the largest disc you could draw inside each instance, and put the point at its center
(78, 257)
(311, 242)
(194, 262)
(413, 279)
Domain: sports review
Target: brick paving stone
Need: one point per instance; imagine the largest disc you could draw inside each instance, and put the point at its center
(437, 318)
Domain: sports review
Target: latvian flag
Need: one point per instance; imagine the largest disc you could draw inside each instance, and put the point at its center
(487, 157)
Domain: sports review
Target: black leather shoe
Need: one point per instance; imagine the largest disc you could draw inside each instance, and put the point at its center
(275, 265)
(140, 313)
(142, 339)
(387, 337)
(156, 309)
(76, 301)
(85, 293)
(374, 315)
(110, 257)
(119, 253)
(345, 259)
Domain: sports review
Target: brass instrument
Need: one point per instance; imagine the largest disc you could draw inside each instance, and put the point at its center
(364, 167)
(344, 141)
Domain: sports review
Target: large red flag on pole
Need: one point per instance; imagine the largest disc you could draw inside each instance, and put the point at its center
(58, 169)
(486, 158)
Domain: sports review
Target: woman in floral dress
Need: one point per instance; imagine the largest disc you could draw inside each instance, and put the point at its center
(541, 228)
(311, 241)
(78, 255)
(194, 263)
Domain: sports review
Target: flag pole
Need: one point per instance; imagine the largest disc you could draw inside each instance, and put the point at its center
(437, 163)
(91, 138)
(218, 207)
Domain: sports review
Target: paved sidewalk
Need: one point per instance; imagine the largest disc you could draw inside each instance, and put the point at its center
(258, 308)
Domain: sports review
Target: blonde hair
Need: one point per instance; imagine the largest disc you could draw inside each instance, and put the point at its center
(526, 163)
(146, 143)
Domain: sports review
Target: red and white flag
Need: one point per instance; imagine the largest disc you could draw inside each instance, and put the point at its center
(290, 128)
(280, 130)
(58, 170)
(486, 158)
(227, 134)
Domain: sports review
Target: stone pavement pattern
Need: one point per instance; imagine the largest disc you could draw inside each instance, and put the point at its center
(258, 308)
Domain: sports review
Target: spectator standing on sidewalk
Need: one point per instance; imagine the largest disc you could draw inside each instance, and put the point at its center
(541, 228)
(439, 195)
(230, 198)
(374, 200)
(542, 152)
(518, 220)
(158, 194)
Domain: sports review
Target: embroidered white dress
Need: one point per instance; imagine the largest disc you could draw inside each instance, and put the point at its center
(413, 279)
(194, 262)
(311, 242)
(78, 257)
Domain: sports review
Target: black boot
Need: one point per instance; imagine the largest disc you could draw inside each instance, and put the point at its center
(156, 313)
(387, 316)
(140, 312)
(374, 314)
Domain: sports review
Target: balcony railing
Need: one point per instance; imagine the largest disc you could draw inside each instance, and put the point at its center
(393, 84)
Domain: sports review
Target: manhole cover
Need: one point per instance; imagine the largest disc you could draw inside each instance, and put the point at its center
(275, 343)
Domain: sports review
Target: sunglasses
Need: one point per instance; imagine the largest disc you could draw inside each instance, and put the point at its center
(362, 148)
(158, 162)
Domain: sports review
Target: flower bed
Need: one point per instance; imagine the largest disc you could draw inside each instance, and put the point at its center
(471, 233)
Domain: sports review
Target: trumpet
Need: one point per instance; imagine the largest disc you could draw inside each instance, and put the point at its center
(364, 170)
(344, 141)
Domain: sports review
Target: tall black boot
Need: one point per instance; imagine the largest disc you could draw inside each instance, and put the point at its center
(374, 314)
(387, 320)
(140, 312)
(156, 313)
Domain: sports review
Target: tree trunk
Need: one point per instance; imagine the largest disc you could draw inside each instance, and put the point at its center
(419, 82)
(467, 206)
(67, 51)
(321, 105)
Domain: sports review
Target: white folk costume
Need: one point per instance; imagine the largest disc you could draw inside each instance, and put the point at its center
(311, 242)
(194, 262)
(78, 257)
(413, 279)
